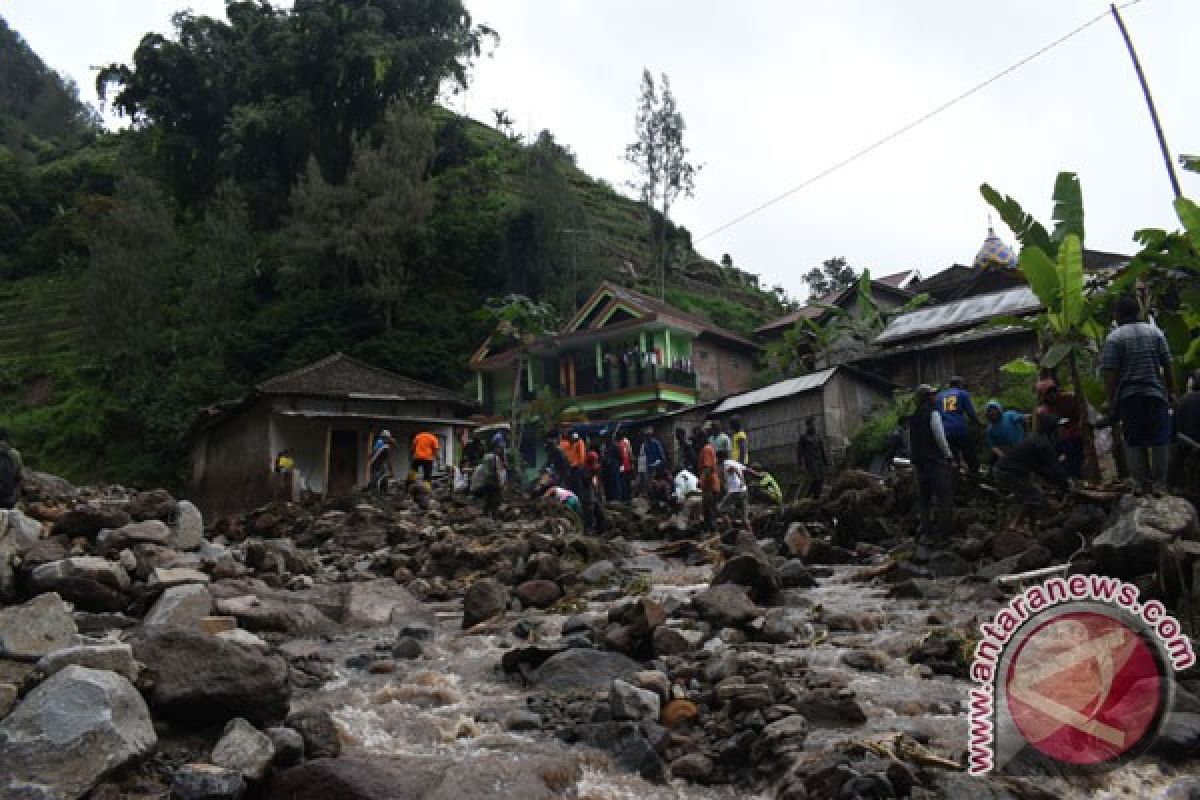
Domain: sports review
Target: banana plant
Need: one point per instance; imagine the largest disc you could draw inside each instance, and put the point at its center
(1052, 264)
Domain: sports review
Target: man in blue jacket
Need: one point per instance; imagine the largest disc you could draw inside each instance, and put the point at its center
(954, 405)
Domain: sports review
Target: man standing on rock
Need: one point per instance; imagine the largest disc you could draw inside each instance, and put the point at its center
(933, 463)
(10, 473)
(1137, 374)
(425, 448)
(955, 406)
(1033, 455)
(810, 455)
(710, 483)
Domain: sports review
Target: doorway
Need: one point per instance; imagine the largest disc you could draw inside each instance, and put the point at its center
(343, 463)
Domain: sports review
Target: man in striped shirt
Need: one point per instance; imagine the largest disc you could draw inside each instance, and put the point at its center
(1137, 374)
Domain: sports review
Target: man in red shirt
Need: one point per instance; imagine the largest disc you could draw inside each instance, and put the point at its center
(710, 482)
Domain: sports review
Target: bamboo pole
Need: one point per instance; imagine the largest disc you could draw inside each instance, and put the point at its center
(1162, 139)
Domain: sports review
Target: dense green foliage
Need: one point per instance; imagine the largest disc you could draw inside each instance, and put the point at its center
(288, 188)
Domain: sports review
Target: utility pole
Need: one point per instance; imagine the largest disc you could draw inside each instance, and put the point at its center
(1162, 139)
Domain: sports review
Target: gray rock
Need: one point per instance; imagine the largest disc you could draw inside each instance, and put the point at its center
(41, 626)
(725, 605)
(91, 583)
(167, 577)
(695, 767)
(244, 749)
(1130, 546)
(795, 575)
(630, 702)
(18, 533)
(269, 614)
(195, 679)
(483, 600)
(668, 641)
(319, 732)
(244, 637)
(114, 657)
(150, 531)
(781, 738)
(599, 572)
(753, 572)
(625, 742)
(187, 532)
(206, 782)
(8, 698)
(288, 744)
(581, 623)
(180, 607)
(583, 669)
(407, 648)
(1179, 739)
(523, 721)
(70, 732)
(88, 520)
(153, 504)
(381, 602)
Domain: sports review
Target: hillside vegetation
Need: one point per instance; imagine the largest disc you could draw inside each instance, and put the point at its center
(288, 188)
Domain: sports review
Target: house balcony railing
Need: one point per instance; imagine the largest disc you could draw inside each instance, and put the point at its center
(618, 379)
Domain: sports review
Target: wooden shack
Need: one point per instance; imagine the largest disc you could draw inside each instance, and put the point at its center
(326, 414)
(837, 399)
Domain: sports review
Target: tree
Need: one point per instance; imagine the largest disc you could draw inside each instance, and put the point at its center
(1052, 263)
(254, 98)
(661, 160)
(519, 320)
(833, 275)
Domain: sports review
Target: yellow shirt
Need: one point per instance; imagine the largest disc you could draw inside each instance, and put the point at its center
(741, 447)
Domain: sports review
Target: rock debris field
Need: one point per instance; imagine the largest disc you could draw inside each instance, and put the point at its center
(409, 647)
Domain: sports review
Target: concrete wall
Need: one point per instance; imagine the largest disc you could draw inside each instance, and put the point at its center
(720, 371)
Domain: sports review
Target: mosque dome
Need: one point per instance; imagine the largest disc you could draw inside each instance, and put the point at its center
(995, 254)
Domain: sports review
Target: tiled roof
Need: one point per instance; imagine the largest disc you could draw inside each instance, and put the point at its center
(339, 375)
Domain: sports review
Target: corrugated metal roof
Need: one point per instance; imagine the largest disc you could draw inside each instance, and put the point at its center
(805, 383)
(961, 313)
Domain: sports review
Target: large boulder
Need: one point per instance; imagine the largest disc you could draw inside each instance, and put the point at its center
(89, 582)
(180, 607)
(583, 669)
(538, 593)
(381, 602)
(206, 782)
(756, 574)
(194, 679)
(269, 614)
(88, 520)
(187, 529)
(109, 656)
(41, 626)
(154, 504)
(1131, 545)
(726, 606)
(483, 600)
(151, 531)
(70, 732)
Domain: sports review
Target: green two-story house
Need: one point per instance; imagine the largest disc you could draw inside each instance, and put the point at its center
(623, 355)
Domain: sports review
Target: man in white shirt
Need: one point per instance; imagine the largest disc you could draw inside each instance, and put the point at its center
(735, 490)
(686, 483)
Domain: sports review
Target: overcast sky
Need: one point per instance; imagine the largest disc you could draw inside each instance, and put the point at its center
(776, 91)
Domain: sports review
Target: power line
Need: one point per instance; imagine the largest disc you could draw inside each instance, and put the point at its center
(915, 123)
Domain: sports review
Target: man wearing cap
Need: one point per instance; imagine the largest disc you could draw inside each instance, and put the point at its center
(1033, 455)
(933, 464)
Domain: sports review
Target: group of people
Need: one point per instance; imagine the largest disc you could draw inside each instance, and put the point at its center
(712, 466)
(1160, 435)
(423, 454)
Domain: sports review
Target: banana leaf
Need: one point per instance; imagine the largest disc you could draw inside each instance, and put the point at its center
(1056, 354)
(1068, 207)
(1042, 274)
(1189, 215)
(1070, 279)
(1019, 366)
(1029, 231)
(1173, 325)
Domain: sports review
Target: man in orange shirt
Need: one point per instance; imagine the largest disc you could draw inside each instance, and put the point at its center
(425, 448)
(710, 483)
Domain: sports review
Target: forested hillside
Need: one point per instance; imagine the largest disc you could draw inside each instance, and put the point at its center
(288, 187)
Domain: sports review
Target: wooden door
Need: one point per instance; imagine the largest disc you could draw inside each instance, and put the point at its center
(343, 462)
